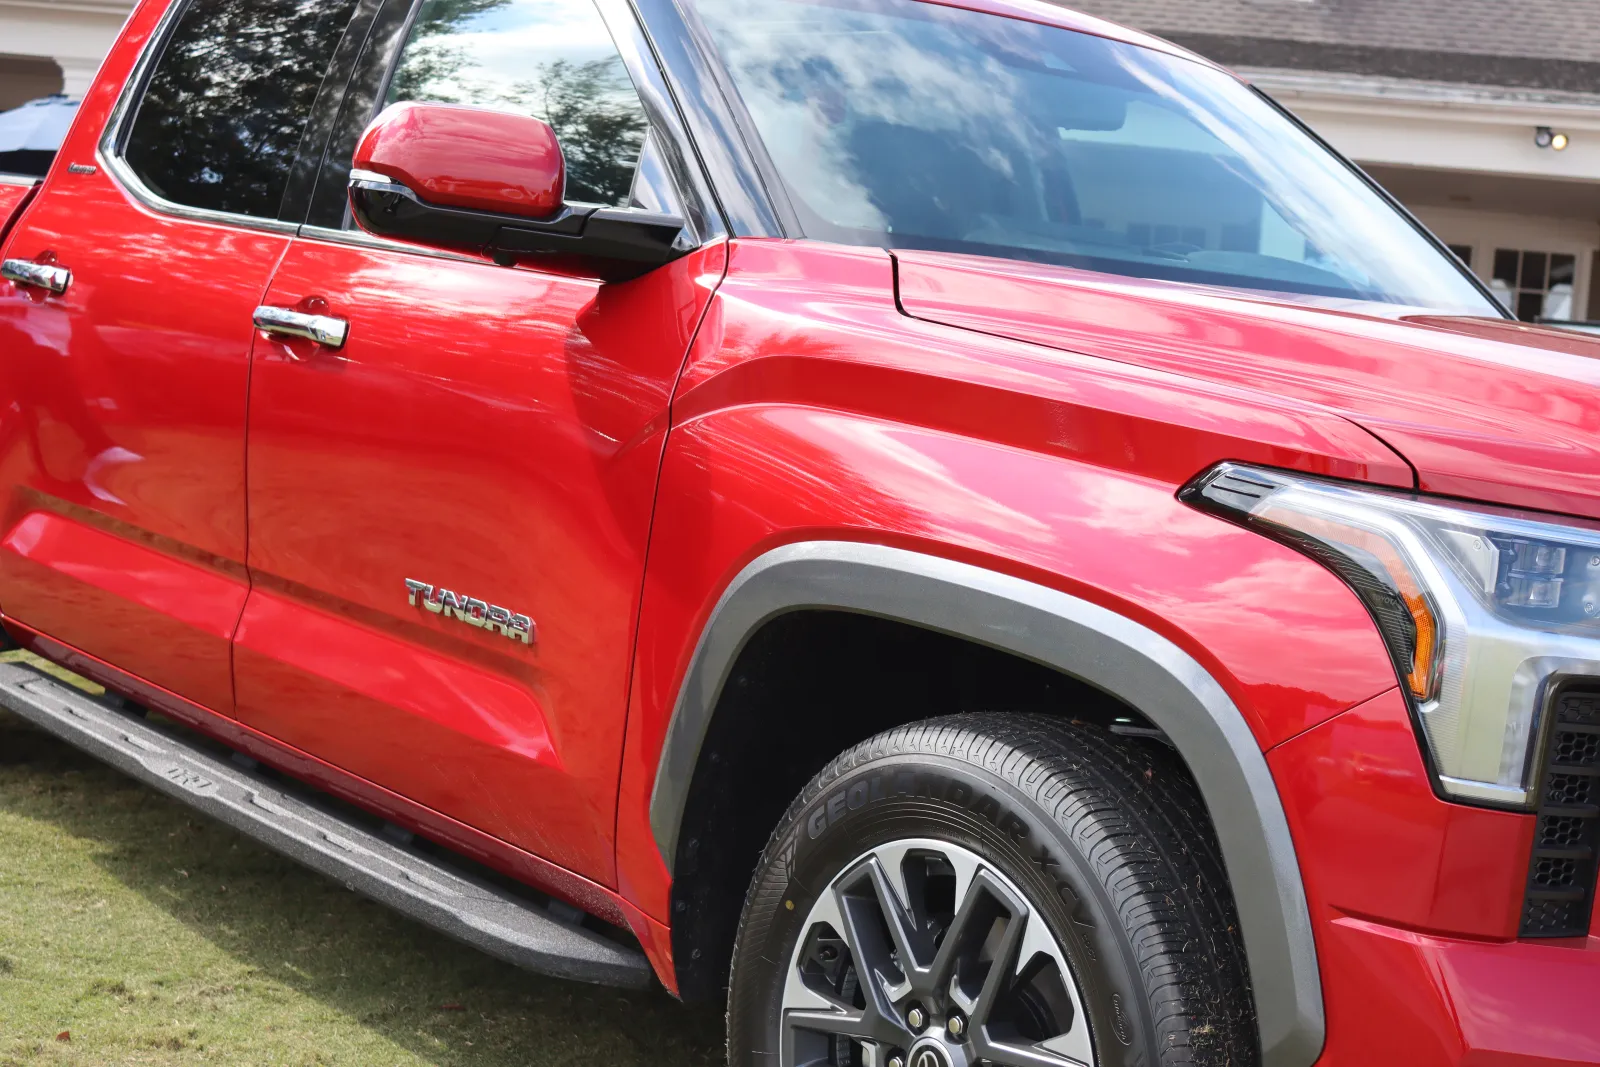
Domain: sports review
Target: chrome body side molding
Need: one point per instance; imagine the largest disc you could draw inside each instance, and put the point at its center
(1080, 639)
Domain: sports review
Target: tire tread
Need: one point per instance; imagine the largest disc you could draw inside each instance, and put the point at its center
(1132, 808)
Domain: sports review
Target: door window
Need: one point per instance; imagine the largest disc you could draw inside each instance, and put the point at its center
(552, 59)
(225, 108)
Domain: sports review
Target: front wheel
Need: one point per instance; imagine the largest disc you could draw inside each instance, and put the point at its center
(1012, 890)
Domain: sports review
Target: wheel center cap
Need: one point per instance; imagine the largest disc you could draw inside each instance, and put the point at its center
(928, 1052)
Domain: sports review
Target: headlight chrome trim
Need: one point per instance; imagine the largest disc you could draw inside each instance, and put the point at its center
(1483, 714)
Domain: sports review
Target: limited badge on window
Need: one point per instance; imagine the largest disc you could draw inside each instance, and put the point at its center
(470, 610)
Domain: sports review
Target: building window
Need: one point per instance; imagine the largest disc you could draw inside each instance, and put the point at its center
(1463, 253)
(1535, 285)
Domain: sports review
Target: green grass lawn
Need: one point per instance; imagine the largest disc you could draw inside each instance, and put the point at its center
(152, 935)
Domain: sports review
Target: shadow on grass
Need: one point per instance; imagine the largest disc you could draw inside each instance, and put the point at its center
(443, 1001)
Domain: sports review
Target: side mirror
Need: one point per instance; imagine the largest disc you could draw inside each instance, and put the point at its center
(494, 182)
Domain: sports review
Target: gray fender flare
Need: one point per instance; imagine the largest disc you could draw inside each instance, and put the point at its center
(1078, 638)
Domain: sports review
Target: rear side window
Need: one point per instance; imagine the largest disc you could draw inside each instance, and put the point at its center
(551, 59)
(224, 110)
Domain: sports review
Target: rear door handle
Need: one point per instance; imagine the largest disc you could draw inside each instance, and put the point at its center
(45, 276)
(325, 330)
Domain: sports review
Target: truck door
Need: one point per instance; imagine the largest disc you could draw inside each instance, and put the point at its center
(448, 511)
(126, 335)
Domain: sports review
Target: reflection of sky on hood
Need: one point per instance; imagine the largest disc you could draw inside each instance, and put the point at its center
(838, 89)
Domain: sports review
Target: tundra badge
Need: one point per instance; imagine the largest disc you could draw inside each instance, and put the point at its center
(471, 611)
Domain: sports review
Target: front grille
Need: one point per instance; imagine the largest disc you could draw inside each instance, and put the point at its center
(1568, 790)
(1561, 874)
(1578, 750)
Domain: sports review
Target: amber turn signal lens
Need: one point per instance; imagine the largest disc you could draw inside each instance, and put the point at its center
(1482, 608)
(1375, 567)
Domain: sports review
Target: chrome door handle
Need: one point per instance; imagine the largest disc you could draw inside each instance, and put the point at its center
(325, 330)
(39, 275)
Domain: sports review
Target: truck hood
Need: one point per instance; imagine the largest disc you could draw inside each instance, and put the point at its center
(1484, 409)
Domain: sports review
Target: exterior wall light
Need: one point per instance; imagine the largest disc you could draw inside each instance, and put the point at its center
(1545, 137)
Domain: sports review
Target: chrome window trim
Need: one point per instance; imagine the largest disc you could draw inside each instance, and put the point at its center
(109, 150)
(24, 180)
(362, 239)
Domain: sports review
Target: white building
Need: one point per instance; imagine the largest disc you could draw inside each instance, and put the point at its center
(54, 46)
(1441, 100)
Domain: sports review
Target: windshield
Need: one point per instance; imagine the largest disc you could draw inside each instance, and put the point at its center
(913, 125)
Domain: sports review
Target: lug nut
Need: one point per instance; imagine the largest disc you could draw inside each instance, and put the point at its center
(896, 1060)
(916, 1018)
(955, 1026)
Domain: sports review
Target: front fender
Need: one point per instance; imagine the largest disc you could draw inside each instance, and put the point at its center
(1083, 640)
(828, 451)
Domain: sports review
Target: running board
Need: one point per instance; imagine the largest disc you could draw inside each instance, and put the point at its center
(470, 910)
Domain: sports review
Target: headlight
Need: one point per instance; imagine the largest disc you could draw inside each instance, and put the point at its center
(1486, 613)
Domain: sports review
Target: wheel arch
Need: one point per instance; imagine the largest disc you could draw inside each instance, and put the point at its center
(1082, 640)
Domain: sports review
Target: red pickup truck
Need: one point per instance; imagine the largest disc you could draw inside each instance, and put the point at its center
(960, 527)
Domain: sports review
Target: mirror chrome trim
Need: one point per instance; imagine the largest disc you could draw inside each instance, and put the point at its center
(371, 179)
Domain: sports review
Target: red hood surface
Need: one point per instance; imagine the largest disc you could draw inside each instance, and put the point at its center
(1483, 409)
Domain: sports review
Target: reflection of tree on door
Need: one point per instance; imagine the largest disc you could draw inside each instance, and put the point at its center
(590, 104)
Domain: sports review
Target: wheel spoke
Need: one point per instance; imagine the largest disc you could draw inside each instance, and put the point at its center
(875, 966)
(848, 911)
(1002, 965)
(993, 959)
(913, 947)
(857, 1023)
(986, 902)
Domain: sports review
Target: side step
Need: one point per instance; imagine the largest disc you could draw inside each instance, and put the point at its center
(476, 912)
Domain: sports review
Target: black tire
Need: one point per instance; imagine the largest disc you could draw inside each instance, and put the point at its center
(1104, 836)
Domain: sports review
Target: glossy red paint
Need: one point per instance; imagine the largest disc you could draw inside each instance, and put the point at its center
(65, 566)
(131, 388)
(468, 157)
(525, 436)
(519, 470)
(811, 408)
(1397, 996)
(1485, 410)
(14, 196)
(1375, 841)
(1416, 904)
(402, 811)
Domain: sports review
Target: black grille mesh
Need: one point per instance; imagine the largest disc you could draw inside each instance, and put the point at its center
(1561, 874)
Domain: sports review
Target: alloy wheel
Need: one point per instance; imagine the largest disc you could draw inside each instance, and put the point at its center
(921, 954)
